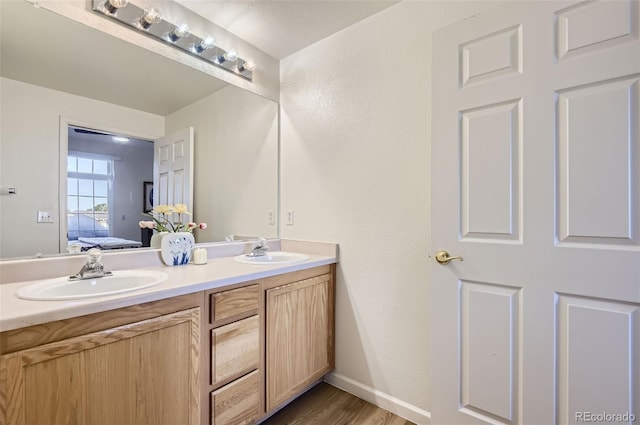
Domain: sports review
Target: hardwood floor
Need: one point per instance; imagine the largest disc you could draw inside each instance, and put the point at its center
(327, 405)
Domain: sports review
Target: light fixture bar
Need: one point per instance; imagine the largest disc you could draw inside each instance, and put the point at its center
(152, 23)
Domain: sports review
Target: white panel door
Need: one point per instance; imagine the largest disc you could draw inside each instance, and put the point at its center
(173, 169)
(536, 185)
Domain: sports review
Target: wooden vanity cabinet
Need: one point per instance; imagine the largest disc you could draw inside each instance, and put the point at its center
(270, 340)
(143, 370)
(235, 342)
(299, 335)
(264, 343)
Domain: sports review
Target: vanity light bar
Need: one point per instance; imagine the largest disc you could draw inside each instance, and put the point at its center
(150, 22)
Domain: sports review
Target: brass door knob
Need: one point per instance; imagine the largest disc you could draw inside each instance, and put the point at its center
(443, 257)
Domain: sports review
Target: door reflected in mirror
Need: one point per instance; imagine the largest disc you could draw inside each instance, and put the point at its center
(104, 170)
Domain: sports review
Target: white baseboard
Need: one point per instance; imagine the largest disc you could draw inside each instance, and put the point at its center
(380, 399)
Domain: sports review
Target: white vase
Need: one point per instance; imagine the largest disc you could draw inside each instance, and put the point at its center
(176, 248)
(156, 239)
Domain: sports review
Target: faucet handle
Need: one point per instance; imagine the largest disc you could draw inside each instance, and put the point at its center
(260, 248)
(93, 268)
(94, 255)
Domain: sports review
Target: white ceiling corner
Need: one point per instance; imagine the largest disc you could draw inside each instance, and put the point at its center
(282, 27)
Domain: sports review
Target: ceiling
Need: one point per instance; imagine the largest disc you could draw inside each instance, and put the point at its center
(79, 134)
(282, 27)
(43, 48)
(48, 50)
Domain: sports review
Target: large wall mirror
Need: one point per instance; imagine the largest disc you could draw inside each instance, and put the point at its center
(59, 76)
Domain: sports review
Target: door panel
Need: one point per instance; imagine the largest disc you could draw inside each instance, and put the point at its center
(173, 169)
(599, 205)
(491, 55)
(613, 334)
(489, 350)
(490, 198)
(580, 27)
(535, 171)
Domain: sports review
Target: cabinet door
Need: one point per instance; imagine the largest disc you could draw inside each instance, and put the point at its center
(299, 336)
(141, 373)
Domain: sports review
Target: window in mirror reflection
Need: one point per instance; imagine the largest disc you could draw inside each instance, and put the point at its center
(88, 197)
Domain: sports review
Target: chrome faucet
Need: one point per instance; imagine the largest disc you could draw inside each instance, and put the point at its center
(93, 268)
(260, 249)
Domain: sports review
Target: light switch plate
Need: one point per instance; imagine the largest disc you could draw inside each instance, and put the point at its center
(45, 217)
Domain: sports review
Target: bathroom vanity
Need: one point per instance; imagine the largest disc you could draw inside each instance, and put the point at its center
(230, 348)
(268, 342)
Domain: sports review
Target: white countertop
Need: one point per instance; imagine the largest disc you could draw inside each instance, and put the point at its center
(16, 313)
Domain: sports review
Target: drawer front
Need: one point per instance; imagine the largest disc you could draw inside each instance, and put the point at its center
(237, 403)
(236, 302)
(235, 349)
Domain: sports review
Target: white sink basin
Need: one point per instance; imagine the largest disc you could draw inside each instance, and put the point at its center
(276, 257)
(61, 288)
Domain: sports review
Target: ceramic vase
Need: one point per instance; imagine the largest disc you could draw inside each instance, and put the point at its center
(176, 248)
(156, 239)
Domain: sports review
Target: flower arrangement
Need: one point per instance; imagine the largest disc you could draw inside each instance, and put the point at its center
(162, 219)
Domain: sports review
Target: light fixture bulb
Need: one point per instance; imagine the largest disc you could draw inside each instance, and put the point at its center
(120, 139)
(207, 43)
(112, 6)
(178, 32)
(150, 17)
(231, 55)
(247, 66)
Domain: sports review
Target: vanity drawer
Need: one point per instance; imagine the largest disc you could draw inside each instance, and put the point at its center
(237, 403)
(235, 349)
(236, 302)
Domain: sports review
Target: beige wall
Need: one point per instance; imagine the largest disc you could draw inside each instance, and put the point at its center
(29, 157)
(236, 158)
(355, 169)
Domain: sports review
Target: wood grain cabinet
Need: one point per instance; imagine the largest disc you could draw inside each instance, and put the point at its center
(145, 372)
(266, 341)
(270, 340)
(235, 349)
(299, 336)
(235, 356)
(237, 403)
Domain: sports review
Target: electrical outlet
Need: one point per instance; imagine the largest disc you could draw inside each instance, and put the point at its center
(271, 217)
(289, 217)
(45, 217)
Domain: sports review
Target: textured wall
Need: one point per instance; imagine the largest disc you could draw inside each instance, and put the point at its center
(355, 143)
